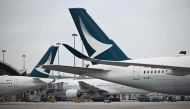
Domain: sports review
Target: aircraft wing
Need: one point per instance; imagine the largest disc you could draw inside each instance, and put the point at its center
(74, 70)
(183, 70)
(90, 88)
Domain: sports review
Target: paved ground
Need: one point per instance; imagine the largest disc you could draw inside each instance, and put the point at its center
(97, 105)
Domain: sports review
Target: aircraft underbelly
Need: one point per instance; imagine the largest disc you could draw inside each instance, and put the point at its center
(182, 84)
(165, 86)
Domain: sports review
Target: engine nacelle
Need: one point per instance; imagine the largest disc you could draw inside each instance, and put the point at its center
(73, 93)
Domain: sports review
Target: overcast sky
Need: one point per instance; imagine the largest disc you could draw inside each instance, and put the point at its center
(141, 28)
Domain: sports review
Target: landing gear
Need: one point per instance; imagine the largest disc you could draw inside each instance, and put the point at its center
(107, 100)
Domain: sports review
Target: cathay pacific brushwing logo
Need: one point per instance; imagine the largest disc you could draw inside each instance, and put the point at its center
(98, 46)
(40, 69)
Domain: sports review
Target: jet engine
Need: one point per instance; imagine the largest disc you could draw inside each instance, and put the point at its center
(73, 93)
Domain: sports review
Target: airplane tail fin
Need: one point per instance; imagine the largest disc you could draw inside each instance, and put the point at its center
(96, 42)
(47, 59)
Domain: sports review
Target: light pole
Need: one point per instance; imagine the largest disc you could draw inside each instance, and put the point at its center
(82, 76)
(24, 63)
(74, 35)
(58, 55)
(3, 54)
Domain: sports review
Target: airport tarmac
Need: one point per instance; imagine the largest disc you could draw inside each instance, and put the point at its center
(96, 105)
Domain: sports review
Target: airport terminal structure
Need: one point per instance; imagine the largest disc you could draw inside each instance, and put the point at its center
(7, 69)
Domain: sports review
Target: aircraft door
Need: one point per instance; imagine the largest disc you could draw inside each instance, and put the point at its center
(15, 84)
(136, 71)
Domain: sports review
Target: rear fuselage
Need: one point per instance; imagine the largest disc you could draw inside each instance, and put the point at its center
(152, 79)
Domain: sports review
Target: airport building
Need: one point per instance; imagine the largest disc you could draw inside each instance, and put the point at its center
(7, 69)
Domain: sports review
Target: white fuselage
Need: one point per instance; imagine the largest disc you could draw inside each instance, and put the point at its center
(15, 84)
(147, 78)
(110, 87)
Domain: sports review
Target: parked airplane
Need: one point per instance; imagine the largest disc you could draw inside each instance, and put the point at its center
(168, 75)
(75, 88)
(14, 84)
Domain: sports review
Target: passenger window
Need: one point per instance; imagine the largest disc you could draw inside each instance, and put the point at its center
(144, 72)
(158, 71)
(155, 71)
(151, 71)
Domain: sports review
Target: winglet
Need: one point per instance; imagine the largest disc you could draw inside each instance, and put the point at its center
(82, 56)
(76, 52)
